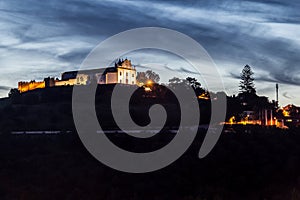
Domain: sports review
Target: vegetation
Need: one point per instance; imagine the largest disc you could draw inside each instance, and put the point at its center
(144, 77)
(247, 81)
(189, 81)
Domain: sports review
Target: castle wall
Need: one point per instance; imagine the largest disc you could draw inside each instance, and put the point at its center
(26, 86)
(65, 82)
(111, 77)
(101, 78)
(82, 79)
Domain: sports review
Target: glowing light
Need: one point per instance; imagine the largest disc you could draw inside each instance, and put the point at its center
(203, 96)
(147, 89)
(231, 120)
(285, 113)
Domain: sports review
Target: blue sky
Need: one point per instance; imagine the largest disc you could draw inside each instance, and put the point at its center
(40, 39)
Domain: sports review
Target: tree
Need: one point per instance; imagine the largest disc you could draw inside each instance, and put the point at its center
(13, 92)
(14, 96)
(141, 78)
(151, 75)
(189, 81)
(195, 85)
(193, 82)
(247, 81)
(175, 81)
(145, 77)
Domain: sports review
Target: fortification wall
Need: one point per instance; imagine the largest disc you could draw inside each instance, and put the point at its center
(65, 82)
(26, 86)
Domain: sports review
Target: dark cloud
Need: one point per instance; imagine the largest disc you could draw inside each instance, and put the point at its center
(141, 66)
(181, 69)
(286, 95)
(5, 88)
(75, 56)
(234, 75)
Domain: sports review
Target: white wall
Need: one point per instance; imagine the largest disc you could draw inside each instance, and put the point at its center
(126, 76)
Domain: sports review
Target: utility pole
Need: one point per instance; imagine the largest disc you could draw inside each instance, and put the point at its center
(277, 96)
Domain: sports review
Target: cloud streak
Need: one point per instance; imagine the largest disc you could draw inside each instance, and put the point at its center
(5, 88)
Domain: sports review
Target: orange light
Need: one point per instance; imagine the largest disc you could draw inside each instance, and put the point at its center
(147, 89)
(285, 113)
(231, 120)
(203, 96)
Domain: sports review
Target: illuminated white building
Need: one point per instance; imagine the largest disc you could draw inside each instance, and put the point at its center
(123, 72)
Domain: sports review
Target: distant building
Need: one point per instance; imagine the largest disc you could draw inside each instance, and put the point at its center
(290, 116)
(251, 109)
(259, 111)
(123, 72)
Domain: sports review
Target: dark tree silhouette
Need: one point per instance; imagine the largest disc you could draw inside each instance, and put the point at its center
(175, 81)
(149, 75)
(13, 92)
(193, 82)
(195, 85)
(141, 77)
(189, 81)
(247, 81)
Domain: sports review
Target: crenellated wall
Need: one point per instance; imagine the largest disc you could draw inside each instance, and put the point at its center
(32, 85)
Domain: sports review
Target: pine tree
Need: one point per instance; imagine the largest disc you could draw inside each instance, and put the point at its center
(247, 81)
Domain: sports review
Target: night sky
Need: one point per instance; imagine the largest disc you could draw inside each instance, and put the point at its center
(44, 38)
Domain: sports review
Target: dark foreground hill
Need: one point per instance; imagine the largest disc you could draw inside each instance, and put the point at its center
(253, 163)
(51, 108)
(247, 162)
